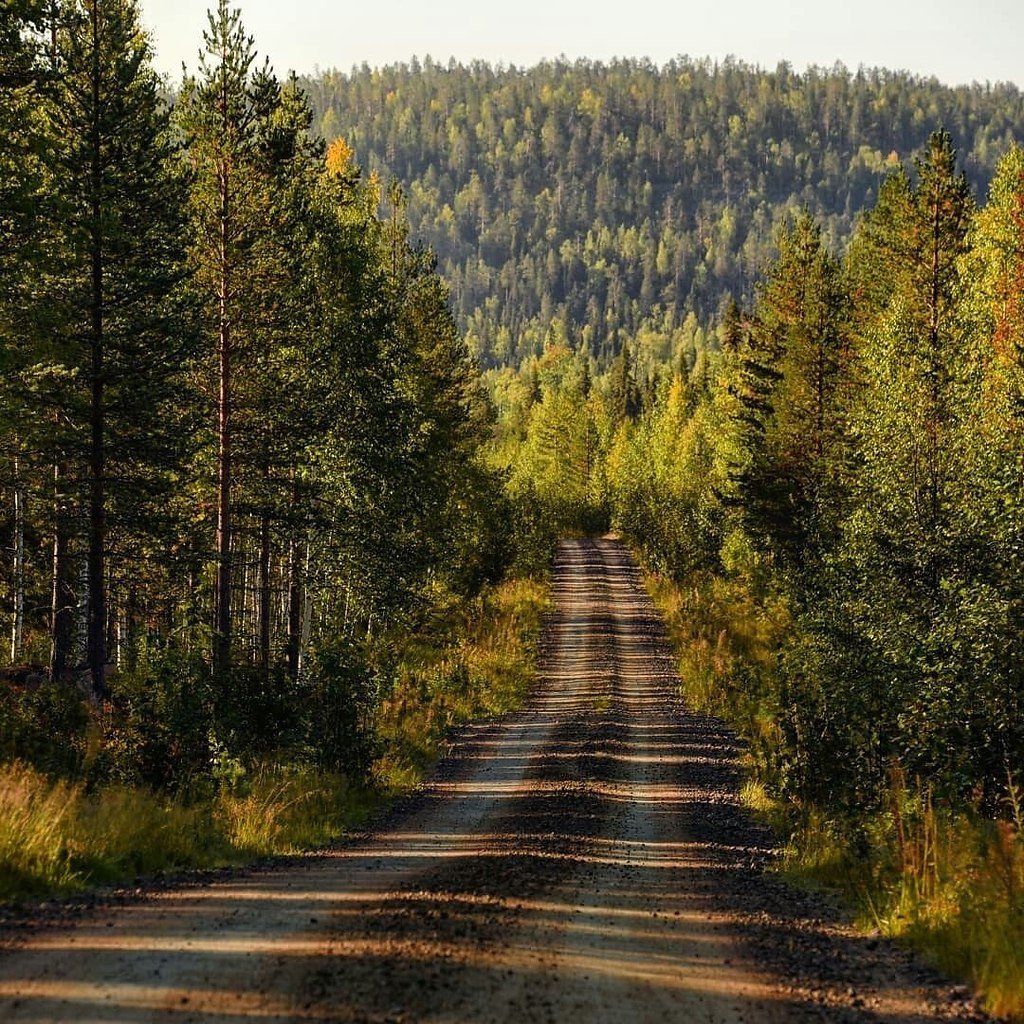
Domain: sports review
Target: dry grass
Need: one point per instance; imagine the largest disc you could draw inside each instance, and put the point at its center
(286, 811)
(725, 641)
(55, 837)
(35, 818)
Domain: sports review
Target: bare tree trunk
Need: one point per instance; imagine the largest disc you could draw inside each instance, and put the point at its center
(294, 610)
(265, 591)
(307, 615)
(131, 640)
(222, 628)
(63, 591)
(97, 601)
(18, 626)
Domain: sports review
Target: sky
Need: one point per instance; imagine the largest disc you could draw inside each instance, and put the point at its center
(955, 41)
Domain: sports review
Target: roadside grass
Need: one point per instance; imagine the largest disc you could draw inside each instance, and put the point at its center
(947, 881)
(725, 641)
(55, 837)
(471, 662)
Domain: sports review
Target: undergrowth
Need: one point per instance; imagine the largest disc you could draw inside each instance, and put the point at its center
(58, 835)
(948, 880)
(55, 836)
(472, 662)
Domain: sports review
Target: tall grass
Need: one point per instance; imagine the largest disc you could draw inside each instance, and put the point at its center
(725, 639)
(472, 663)
(947, 880)
(35, 821)
(56, 837)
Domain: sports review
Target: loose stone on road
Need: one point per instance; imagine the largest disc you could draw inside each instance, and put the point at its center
(586, 859)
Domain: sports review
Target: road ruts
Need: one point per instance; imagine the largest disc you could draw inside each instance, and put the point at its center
(584, 860)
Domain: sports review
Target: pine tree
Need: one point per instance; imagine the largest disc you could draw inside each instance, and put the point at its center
(223, 115)
(123, 218)
(22, 154)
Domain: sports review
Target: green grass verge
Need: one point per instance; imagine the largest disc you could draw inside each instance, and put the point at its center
(947, 881)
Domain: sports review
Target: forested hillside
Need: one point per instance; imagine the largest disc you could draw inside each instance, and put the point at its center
(613, 200)
(829, 501)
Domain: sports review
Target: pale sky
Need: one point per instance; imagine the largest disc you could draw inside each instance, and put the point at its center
(981, 40)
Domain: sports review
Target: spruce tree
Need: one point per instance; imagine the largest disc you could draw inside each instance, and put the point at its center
(792, 485)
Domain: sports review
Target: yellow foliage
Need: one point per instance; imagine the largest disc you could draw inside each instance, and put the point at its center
(339, 157)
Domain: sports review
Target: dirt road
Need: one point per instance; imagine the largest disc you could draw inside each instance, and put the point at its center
(585, 860)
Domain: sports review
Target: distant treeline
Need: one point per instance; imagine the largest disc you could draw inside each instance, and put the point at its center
(611, 198)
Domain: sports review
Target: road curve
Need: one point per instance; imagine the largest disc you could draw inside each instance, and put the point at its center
(583, 860)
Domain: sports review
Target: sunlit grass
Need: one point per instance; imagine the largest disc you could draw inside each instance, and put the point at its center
(725, 642)
(949, 883)
(284, 811)
(35, 819)
(56, 837)
(481, 664)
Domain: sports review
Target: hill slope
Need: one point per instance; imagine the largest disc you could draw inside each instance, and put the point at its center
(604, 198)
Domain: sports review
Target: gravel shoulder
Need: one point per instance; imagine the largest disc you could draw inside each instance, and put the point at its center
(585, 859)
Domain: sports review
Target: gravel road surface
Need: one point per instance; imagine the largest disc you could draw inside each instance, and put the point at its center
(584, 860)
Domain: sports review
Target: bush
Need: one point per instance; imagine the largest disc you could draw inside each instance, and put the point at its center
(46, 727)
(158, 732)
(339, 708)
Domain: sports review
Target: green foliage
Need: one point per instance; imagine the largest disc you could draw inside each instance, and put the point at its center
(45, 724)
(340, 707)
(855, 611)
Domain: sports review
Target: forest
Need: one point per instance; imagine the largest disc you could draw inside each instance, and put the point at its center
(301, 379)
(828, 495)
(241, 435)
(615, 200)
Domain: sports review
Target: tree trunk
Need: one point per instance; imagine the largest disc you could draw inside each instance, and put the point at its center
(294, 596)
(307, 616)
(18, 626)
(294, 611)
(222, 629)
(63, 590)
(97, 601)
(265, 595)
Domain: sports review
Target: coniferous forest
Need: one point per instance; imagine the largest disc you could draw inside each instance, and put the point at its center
(616, 200)
(241, 434)
(301, 379)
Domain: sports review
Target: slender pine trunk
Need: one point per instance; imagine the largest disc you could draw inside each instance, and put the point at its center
(265, 590)
(18, 625)
(97, 596)
(63, 589)
(222, 629)
(294, 595)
